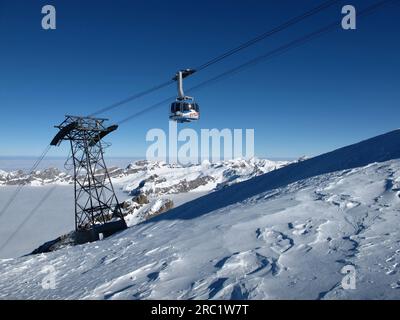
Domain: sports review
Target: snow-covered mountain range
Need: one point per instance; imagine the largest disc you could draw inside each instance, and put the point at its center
(155, 187)
(36, 178)
(223, 173)
(287, 233)
(146, 189)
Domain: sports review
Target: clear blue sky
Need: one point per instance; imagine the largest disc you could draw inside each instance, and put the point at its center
(333, 91)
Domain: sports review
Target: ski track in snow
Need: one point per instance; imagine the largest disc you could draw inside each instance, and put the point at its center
(285, 243)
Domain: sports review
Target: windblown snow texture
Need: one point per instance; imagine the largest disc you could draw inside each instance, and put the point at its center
(378, 149)
(285, 234)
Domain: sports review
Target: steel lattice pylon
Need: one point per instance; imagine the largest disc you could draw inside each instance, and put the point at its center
(96, 206)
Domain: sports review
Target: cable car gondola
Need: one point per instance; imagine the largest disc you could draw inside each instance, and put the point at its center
(184, 109)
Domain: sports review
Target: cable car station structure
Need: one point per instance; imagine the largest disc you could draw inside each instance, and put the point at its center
(97, 210)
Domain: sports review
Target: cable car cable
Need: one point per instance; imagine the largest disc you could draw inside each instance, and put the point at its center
(28, 217)
(256, 60)
(270, 54)
(133, 97)
(274, 53)
(280, 28)
(169, 82)
(20, 186)
(229, 53)
(139, 113)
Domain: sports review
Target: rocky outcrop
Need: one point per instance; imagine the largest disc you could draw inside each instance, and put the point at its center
(145, 209)
(159, 207)
(141, 199)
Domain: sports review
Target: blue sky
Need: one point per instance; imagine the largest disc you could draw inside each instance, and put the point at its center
(333, 91)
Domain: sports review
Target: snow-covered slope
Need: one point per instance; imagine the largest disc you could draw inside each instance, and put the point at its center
(285, 234)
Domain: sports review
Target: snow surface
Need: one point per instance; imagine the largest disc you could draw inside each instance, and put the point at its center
(283, 235)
